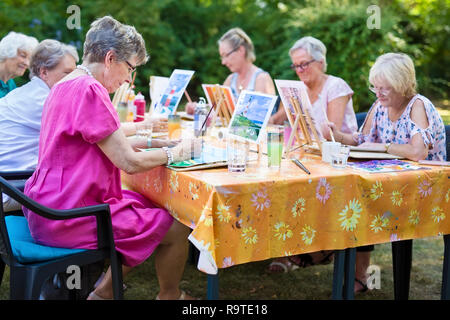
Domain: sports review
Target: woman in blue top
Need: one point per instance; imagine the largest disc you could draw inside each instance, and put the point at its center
(237, 53)
(15, 54)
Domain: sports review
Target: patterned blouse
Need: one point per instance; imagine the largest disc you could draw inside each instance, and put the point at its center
(383, 130)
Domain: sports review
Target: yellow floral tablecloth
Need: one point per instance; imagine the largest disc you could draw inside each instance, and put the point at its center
(262, 213)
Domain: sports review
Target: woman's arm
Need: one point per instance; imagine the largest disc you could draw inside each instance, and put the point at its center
(120, 152)
(336, 110)
(264, 84)
(416, 149)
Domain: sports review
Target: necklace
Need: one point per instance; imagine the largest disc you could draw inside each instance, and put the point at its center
(85, 69)
(241, 82)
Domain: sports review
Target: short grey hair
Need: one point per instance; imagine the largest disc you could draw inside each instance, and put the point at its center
(108, 34)
(48, 54)
(14, 41)
(236, 37)
(314, 47)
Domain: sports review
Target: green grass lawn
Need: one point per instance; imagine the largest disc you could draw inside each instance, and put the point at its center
(250, 281)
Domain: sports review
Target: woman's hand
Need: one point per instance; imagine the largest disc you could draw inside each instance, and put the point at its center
(159, 143)
(187, 149)
(159, 124)
(329, 127)
(190, 107)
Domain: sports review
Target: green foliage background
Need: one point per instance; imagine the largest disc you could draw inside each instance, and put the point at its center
(183, 34)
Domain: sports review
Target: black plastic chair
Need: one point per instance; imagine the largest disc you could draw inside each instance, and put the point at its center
(27, 277)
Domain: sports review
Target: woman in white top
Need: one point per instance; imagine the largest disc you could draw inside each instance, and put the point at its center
(331, 99)
(21, 109)
(330, 96)
(237, 53)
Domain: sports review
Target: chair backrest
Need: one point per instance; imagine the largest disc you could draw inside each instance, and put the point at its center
(447, 140)
(360, 117)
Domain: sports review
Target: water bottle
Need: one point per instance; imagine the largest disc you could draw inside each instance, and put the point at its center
(200, 113)
(139, 103)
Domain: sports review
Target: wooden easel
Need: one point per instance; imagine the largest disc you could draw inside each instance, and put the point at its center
(121, 95)
(221, 105)
(301, 118)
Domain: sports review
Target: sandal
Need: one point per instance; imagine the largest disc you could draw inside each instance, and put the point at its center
(364, 287)
(281, 266)
(310, 259)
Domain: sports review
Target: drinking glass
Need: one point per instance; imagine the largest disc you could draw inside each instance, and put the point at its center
(339, 159)
(237, 154)
(274, 146)
(174, 126)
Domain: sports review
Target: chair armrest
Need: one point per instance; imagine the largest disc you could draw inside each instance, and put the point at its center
(100, 211)
(16, 175)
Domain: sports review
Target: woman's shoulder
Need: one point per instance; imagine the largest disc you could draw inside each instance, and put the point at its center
(336, 87)
(80, 84)
(334, 81)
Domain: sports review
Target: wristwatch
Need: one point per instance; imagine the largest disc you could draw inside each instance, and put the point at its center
(387, 145)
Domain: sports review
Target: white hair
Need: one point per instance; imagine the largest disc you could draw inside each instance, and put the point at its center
(14, 41)
(48, 54)
(314, 47)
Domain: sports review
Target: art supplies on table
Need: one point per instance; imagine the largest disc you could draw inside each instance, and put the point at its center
(172, 94)
(210, 157)
(383, 166)
(435, 163)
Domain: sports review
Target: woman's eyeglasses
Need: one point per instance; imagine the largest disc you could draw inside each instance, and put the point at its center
(226, 55)
(302, 66)
(131, 68)
(382, 91)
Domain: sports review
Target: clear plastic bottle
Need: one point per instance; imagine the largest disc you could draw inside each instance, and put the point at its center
(200, 113)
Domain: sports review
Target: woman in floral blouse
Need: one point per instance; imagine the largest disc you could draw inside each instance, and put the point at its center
(400, 122)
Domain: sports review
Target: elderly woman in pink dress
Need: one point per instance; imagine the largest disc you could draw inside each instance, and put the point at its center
(400, 122)
(82, 149)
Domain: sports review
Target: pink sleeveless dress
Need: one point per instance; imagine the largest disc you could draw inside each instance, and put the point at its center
(73, 172)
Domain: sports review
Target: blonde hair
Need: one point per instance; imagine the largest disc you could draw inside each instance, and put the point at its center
(398, 70)
(236, 37)
(314, 47)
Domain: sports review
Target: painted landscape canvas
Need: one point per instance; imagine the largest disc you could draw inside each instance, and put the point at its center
(252, 113)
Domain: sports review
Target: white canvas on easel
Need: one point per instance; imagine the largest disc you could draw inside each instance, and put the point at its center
(297, 106)
(157, 85)
(170, 98)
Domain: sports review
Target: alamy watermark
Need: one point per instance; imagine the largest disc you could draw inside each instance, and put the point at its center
(374, 278)
(74, 279)
(374, 20)
(74, 20)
